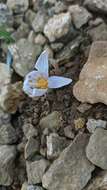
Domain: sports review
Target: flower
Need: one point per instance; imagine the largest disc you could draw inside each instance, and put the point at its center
(37, 82)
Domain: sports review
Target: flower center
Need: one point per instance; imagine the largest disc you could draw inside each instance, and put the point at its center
(42, 83)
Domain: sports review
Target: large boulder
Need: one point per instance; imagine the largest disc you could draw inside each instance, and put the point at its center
(71, 170)
(92, 84)
(96, 150)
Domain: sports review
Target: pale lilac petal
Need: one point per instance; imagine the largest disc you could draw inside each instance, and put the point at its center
(38, 92)
(42, 63)
(57, 82)
(27, 89)
(33, 75)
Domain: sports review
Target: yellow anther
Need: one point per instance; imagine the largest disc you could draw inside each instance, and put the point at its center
(42, 83)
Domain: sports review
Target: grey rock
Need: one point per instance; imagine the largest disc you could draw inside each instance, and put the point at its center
(6, 17)
(39, 22)
(91, 86)
(71, 1)
(57, 26)
(25, 52)
(59, 7)
(29, 130)
(98, 33)
(22, 31)
(96, 150)
(35, 170)
(34, 187)
(96, 5)
(51, 2)
(4, 84)
(68, 132)
(18, 19)
(57, 46)
(31, 148)
(31, 37)
(92, 124)
(71, 170)
(40, 39)
(84, 107)
(20, 169)
(99, 182)
(3, 188)
(18, 6)
(7, 157)
(53, 121)
(80, 15)
(49, 51)
(11, 95)
(69, 51)
(55, 145)
(4, 117)
(29, 16)
(7, 134)
(96, 22)
(26, 186)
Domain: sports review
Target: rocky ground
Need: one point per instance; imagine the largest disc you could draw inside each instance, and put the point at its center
(58, 141)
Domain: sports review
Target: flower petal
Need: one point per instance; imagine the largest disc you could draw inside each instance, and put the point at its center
(27, 89)
(38, 92)
(42, 63)
(57, 82)
(33, 75)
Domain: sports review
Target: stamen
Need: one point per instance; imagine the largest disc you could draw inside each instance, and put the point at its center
(42, 83)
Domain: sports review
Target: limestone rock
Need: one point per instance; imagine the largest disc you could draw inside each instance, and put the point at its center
(71, 170)
(92, 84)
(4, 118)
(7, 156)
(59, 7)
(92, 124)
(80, 15)
(96, 5)
(24, 56)
(55, 145)
(22, 31)
(5, 74)
(99, 182)
(51, 2)
(31, 148)
(6, 17)
(52, 121)
(29, 130)
(40, 39)
(57, 26)
(10, 97)
(57, 46)
(68, 132)
(29, 16)
(98, 33)
(39, 22)
(18, 6)
(35, 170)
(4, 84)
(25, 186)
(34, 187)
(7, 134)
(96, 150)
(82, 108)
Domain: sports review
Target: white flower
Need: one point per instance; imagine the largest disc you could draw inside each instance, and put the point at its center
(37, 82)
